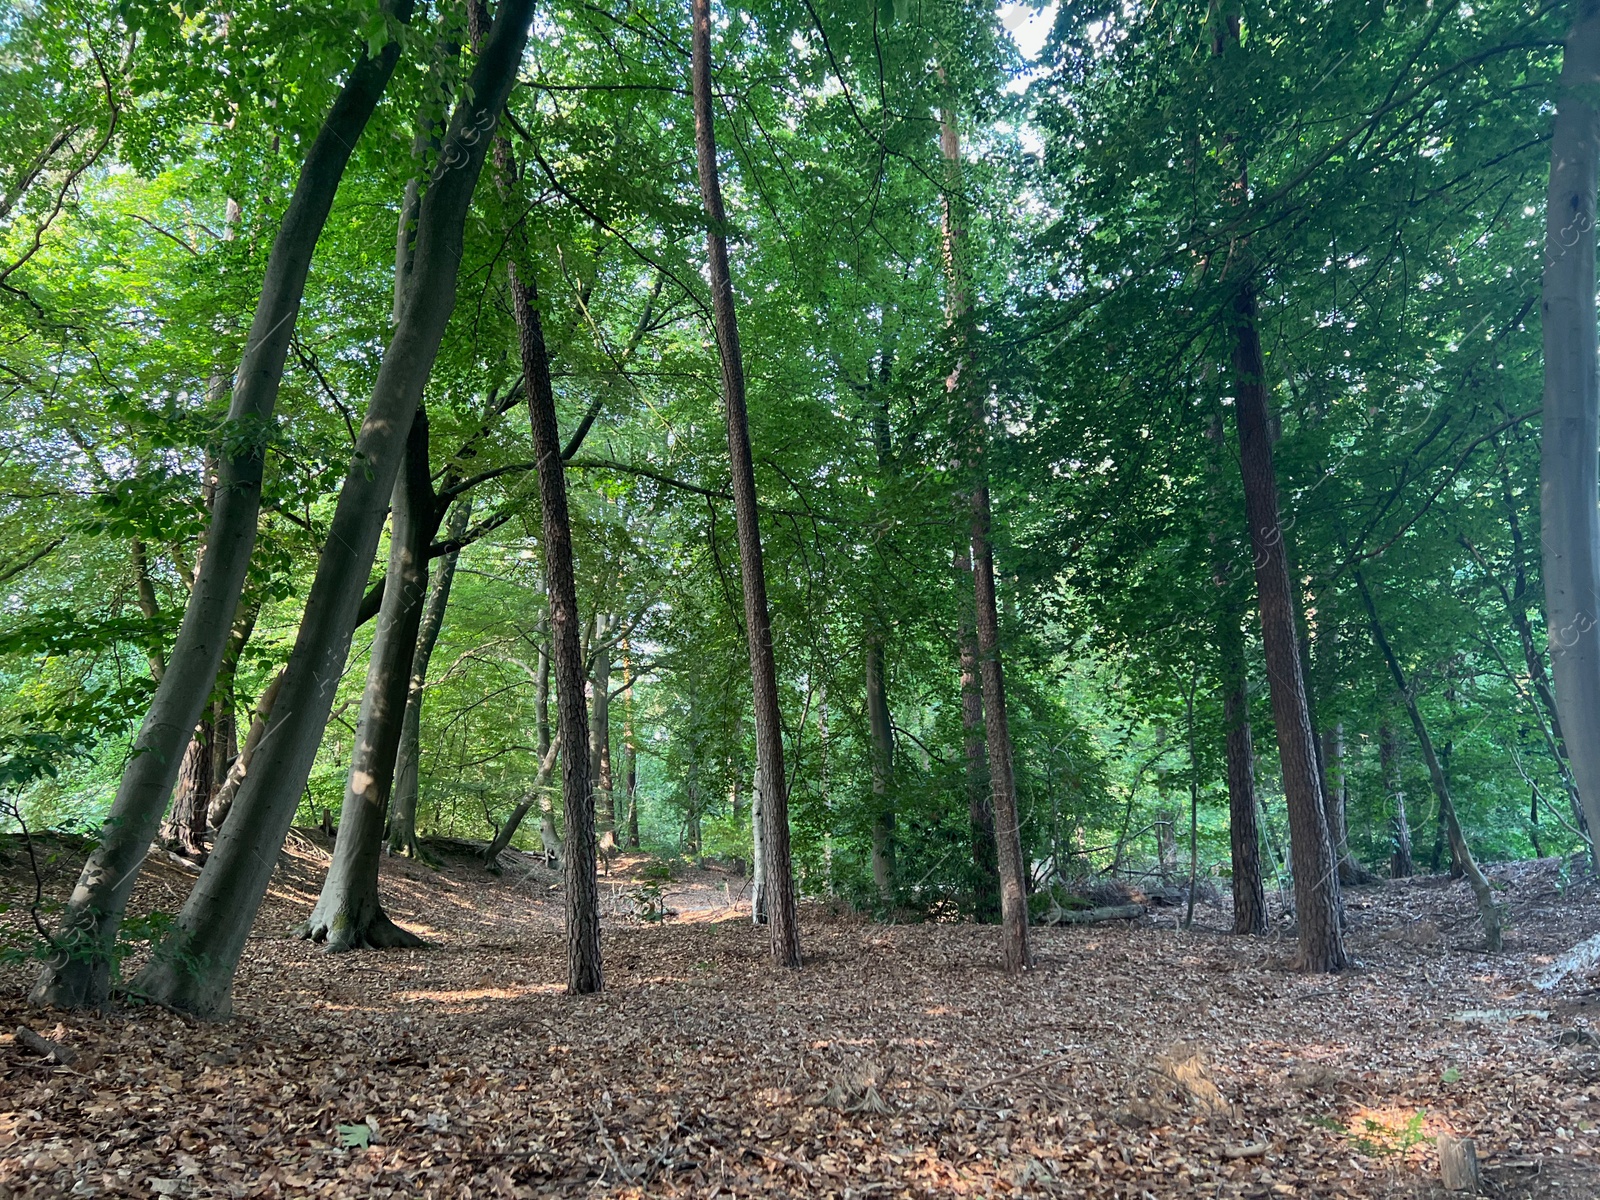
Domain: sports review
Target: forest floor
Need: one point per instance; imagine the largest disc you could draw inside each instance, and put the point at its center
(1136, 1061)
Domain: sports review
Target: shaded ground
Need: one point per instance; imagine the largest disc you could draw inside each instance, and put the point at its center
(1136, 1061)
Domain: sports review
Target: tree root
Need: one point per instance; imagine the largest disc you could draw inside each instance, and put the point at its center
(341, 933)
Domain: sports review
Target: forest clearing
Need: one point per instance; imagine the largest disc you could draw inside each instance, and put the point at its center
(1135, 1059)
(800, 597)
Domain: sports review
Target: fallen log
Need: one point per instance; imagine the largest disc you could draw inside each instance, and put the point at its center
(1091, 916)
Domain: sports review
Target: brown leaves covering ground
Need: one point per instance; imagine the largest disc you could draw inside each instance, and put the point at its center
(1136, 1061)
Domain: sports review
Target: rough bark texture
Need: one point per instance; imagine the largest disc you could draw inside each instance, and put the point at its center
(1244, 834)
(184, 829)
(1316, 883)
(980, 802)
(781, 902)
(79, 973)
(1569, 490)
(349, 914)
(584, 973)
(882, 750)
(1488, 911)
(408, 758)
(193, 969)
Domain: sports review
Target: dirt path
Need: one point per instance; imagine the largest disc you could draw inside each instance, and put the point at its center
(1136, 1061)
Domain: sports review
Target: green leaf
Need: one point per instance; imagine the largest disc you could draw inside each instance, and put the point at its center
(355, 1136)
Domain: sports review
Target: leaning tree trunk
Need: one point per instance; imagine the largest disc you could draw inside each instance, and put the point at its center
(507, 832)
(193, 969)
(1488, 911)
(349, 914)
(1244, 834)
(584, 971)
(1569, 491)
(882, 750)
(980, 801)
(1316, 881)
(79, 971)
(781, 904)
(408, 758)
(222, 802)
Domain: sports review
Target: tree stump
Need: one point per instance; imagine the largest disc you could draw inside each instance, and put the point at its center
(1458, 1164)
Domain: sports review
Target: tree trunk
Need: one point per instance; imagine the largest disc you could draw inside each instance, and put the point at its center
(193, 969)
(1569, 491)
(1244, 834)
(1400, 866)
(222, 802)
(758, 860)
(782, 908)
(1488, 910)
(605, 805)
(548, 835)
(408, 758)
(630, 752)
(980, 803)
(1316, 882)
(882, 751)
(184, 830)
(584, 972)
(79, 972)
(349, 914)
(508, 831)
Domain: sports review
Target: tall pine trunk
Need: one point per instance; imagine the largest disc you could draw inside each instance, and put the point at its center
(1316, 881)
(781, 903)
(584, 972)
(193, 969)
(1569, 489)
(408, 758)
(79, 971)
(349, 914)
(1488, 910)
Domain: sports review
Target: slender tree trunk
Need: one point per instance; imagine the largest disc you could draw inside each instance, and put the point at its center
(1488, 910)
(1244, 834)
(193, 969)
(882, 751)
(605, 805)
(782, 907)
(1316, 882)
(349, 913)
(145, 589)
(79, 972)
(758, 860)
(584, 972)
(222, 802)
(1569, 490)
(980, 801)
(548, 834)
(504, 835)
(630, 752)
(408, 758)
(1389, 764)
(1015, 955)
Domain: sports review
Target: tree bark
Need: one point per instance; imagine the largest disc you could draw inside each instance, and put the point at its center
(1569, 489)
(504, 835)
(1244, 834)
(184, 829)
(349, 914)
(584, 970)
(1316, 882)
(605, 805)
(980, 802)
(630, 752)
(408, 758)
(78, 974)
(882, 765)
(222, 802)
(781, 901)
(1488, 910)
(193, 969)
